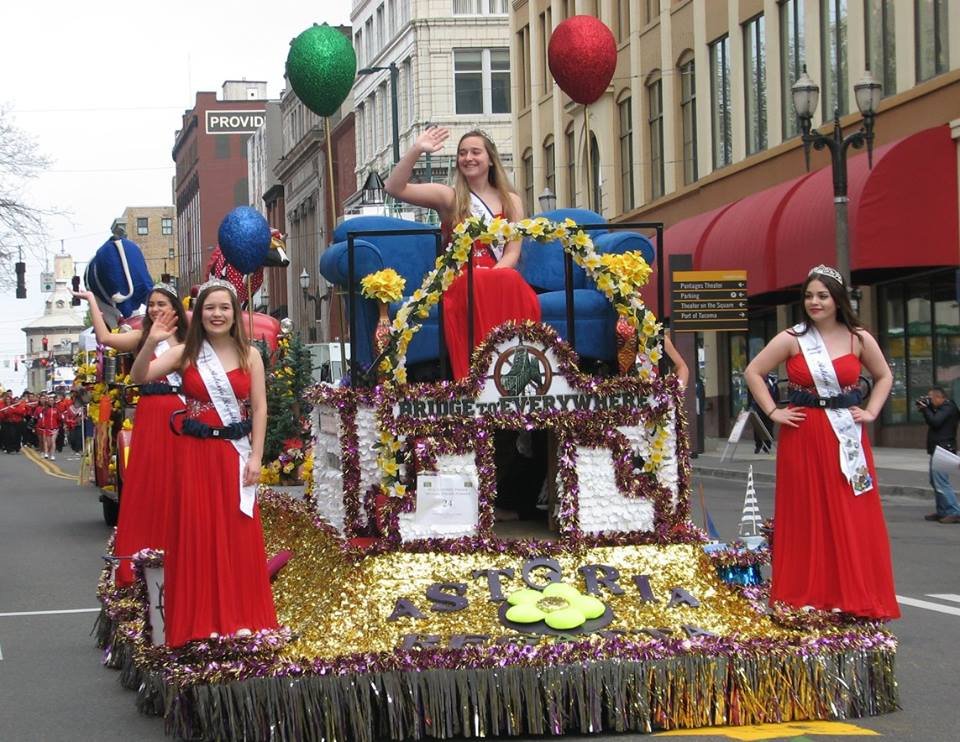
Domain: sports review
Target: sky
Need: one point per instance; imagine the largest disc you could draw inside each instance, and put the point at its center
(101, 88)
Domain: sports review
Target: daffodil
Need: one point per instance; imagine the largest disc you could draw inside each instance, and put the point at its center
(385, 285)
(559, 605)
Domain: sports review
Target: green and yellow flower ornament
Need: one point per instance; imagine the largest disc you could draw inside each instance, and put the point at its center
(559, 607)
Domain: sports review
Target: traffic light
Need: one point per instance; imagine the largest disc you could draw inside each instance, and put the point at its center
(21, 280)
(75, 283)
(44, 341)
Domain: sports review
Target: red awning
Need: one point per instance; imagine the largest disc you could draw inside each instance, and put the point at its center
(902, 213)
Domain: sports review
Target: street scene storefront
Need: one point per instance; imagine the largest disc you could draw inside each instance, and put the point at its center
(903, 227)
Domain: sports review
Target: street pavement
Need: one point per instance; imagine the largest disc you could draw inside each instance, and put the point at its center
(52, 536)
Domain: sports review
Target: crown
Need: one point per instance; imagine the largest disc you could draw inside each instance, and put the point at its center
(217, 283)
(826, 270)
(168, 288)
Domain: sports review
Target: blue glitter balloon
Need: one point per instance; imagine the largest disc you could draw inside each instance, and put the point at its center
(244, 237)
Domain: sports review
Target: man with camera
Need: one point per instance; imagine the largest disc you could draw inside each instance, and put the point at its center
(942, 417)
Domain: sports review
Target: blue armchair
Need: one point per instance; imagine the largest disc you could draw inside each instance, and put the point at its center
(541, 265)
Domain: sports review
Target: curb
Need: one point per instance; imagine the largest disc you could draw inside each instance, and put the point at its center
(904, 490)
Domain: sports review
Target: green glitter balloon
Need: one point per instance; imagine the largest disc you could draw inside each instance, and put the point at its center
(321, 67)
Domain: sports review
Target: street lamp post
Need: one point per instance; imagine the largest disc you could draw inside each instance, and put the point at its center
(317, 302)
(806, 94)
(394, 113)
(548, 200)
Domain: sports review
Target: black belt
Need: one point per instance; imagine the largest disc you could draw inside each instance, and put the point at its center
(800, 398)
(157, 387)
(193, 427)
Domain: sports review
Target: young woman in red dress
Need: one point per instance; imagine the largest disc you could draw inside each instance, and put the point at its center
(480, 188)
(151, 475)
(830, 544)
(215, 566)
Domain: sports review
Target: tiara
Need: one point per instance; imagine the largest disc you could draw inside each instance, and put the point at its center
(161, 286)
(217, 283)
(826, 270)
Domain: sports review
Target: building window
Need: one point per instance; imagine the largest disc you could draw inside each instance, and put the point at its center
(720, 101)
(688, 119)
(597, 204)
(482, 80)
(791, 60)
(932, 40)
(368, 35)
(171, 253)
(546, 28)
(571, 148)
(881, 42)
(920, 338)
(480, 7)
(833, 61)
(386, 126)
(549, 166)
(523, 60)
(221, 147)
(755, 83)
(411, 92)
(166, 225)
(651, 10)
(623, 21)
(381, 29)
(361, 149)
(391, 18)
(142, 226)
(528, 181)
(627, 195)
(655, 122)
(358, 47)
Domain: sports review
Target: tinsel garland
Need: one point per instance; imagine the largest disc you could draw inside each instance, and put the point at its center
(461, 435)
(613, 695)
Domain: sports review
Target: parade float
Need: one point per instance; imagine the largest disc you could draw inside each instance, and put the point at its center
(408, 612)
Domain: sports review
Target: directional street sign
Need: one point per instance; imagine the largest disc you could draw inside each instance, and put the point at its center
(709, 300)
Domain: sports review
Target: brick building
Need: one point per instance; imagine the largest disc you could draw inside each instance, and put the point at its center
(210, 151)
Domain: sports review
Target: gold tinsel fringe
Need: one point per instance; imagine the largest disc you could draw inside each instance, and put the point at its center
(610, 695)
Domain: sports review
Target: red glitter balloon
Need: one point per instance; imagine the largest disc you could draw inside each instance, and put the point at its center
(583, 57)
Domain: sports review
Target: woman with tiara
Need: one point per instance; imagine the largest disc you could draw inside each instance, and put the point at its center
(151, 475)
(480, 188)
(215, 566)
(830, 544)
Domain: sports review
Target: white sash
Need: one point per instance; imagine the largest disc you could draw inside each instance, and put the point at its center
(853, 462)
(225, 402)
(173, 378)
(479, 208)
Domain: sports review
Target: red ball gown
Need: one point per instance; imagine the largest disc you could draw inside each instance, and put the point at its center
(149, 481)
(830, 547)
(215, 568)
(498, 295)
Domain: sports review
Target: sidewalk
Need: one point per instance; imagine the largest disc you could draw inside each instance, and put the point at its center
(901, 471)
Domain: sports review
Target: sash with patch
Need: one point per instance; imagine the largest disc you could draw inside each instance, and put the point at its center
(853, 462)
(227, 406)
(173, 378)
(479, 208)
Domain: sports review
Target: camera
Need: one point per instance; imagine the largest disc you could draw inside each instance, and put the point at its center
(923, 402)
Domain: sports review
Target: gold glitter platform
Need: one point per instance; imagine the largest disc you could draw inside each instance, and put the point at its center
(410, 645)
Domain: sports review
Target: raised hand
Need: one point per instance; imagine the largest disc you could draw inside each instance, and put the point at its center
(86, 295)
(164, 325)
(431, 141)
